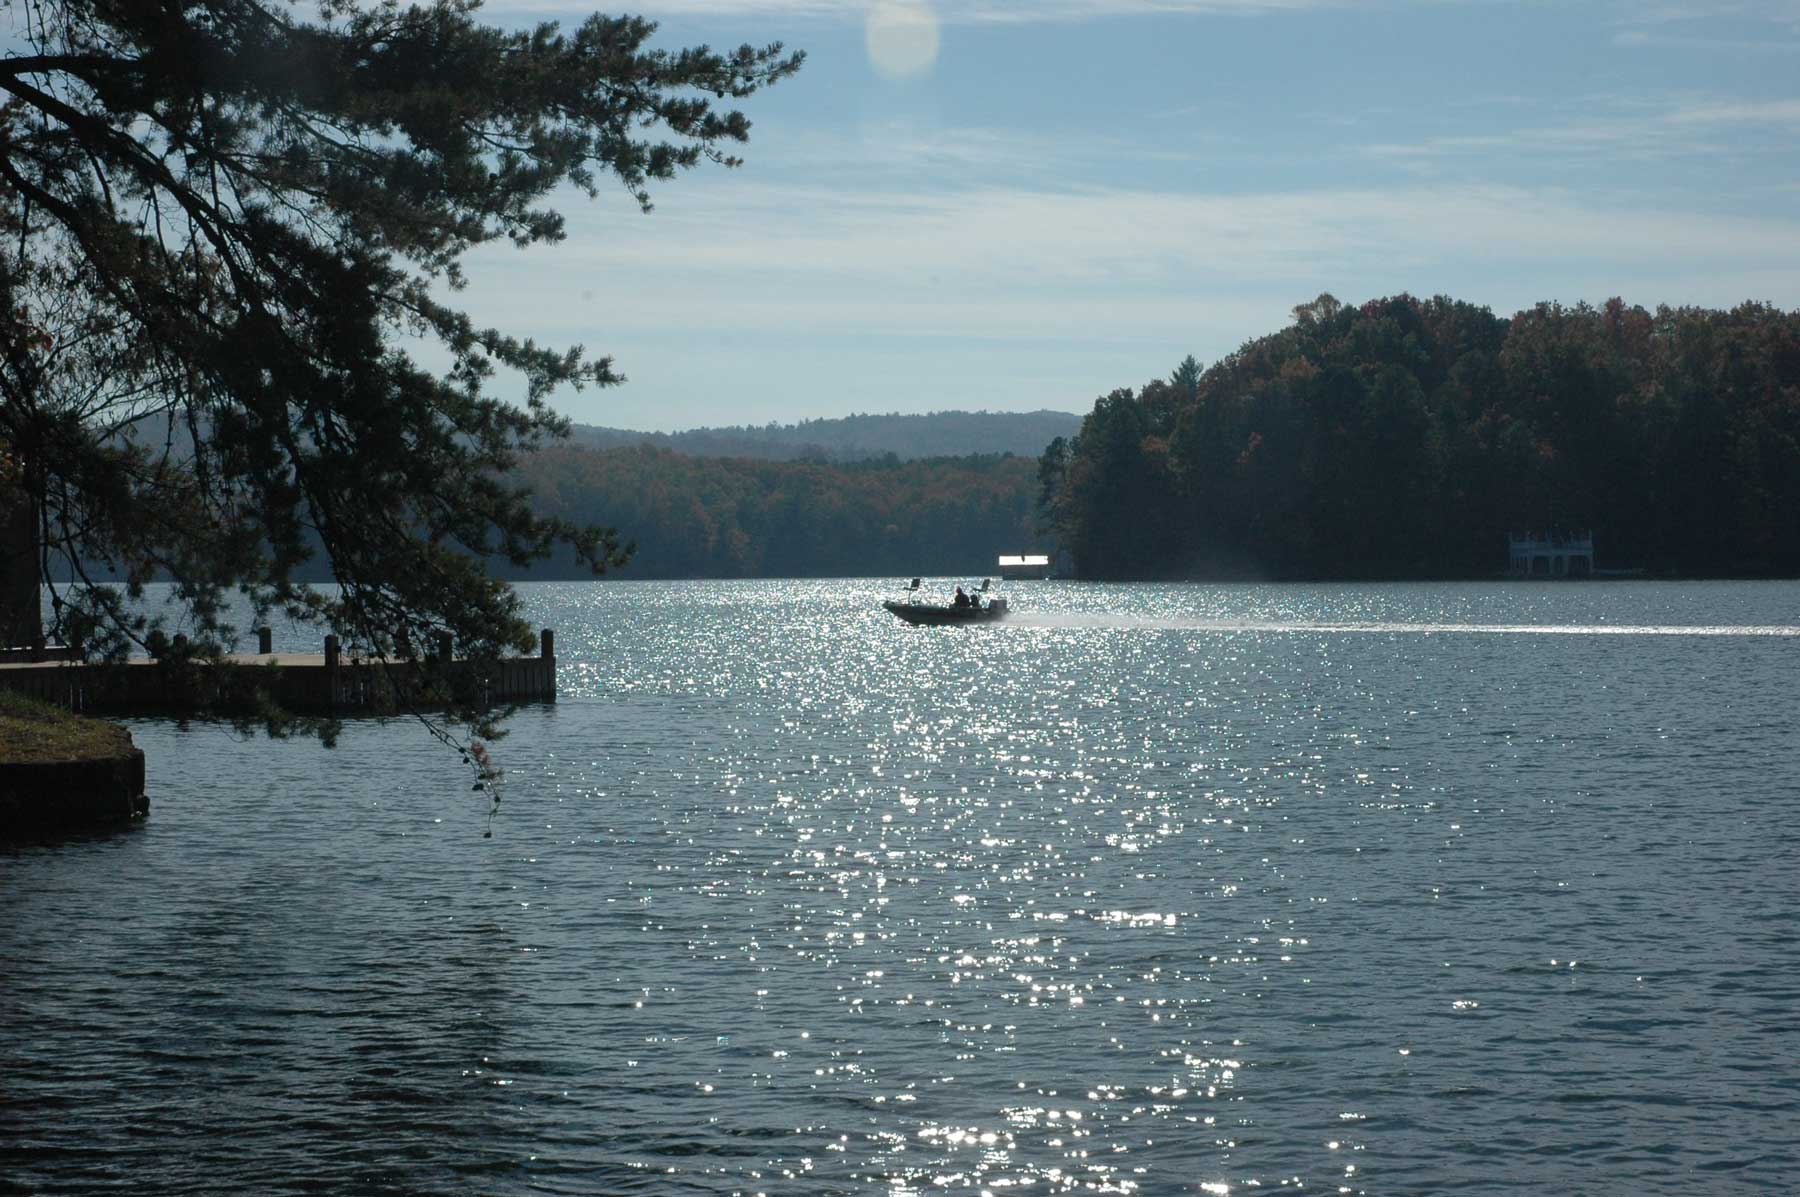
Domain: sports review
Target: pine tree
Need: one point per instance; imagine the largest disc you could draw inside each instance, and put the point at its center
(224, 223)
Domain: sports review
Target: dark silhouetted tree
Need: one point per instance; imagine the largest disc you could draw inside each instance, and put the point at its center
(225, 224)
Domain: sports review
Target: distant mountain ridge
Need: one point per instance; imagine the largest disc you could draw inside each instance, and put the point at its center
(856, 437)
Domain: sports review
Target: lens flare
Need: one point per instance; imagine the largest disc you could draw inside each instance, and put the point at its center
(902, 37)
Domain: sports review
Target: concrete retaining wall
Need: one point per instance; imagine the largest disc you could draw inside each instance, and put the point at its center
(64, 795)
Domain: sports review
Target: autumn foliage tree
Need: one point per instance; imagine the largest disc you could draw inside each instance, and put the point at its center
(1405, 438)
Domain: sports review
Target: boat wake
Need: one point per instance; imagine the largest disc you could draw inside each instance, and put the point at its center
(1126, 623)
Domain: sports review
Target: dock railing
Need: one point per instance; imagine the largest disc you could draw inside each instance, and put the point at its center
(328, 683)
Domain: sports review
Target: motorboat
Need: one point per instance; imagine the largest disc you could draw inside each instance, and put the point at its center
(935, 613)
(977, 609)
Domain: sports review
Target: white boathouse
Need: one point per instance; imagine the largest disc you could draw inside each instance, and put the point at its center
(1025, 566)
(1551, 554)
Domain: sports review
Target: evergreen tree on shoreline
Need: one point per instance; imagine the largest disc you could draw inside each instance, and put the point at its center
(226, 222)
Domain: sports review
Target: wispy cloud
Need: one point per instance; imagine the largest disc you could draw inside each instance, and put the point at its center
(1009, 263)
(1029, 11)
(814, 300)
(1725, 26)
(1685, 24)
(1621, 130)
(1640, 37)
(1777, 112)
(847, 243)
(899, 153)
(948, 11)
(1669, 12)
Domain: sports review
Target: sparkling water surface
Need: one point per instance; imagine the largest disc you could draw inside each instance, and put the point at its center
(1154, 889)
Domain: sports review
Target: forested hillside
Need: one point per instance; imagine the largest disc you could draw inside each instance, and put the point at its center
(1405, 438)
(697, 515)
(709, 517)
(854, 438)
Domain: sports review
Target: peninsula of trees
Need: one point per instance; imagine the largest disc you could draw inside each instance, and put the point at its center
(1406, 438)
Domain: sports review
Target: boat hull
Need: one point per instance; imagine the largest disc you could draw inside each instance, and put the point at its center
(934, 613)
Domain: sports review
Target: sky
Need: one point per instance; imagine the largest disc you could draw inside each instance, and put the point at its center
(1009, 205)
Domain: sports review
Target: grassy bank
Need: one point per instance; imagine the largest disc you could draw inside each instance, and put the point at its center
(32, 732)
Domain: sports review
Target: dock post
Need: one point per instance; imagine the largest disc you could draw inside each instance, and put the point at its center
(546, 670)
(331, 671)
(265, 640)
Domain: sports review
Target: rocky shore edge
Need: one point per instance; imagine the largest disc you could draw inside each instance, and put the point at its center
(63, 772)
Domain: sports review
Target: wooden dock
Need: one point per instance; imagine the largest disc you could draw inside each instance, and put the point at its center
(327, 683)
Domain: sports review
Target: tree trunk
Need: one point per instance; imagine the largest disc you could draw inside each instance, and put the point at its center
(21, 623)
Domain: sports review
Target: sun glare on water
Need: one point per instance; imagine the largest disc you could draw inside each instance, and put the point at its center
(902, 36)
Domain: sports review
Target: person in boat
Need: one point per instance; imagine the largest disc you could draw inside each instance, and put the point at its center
(962, 600)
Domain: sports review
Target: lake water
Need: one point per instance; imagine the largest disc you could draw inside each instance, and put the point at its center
(1157, 889)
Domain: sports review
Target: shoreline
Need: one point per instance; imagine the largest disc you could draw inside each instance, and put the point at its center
(63, 772)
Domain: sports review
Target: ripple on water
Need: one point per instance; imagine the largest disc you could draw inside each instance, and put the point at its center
(1163, 889)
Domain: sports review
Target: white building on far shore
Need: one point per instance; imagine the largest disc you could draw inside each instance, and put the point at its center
(1026, 566)
(1551, 555)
